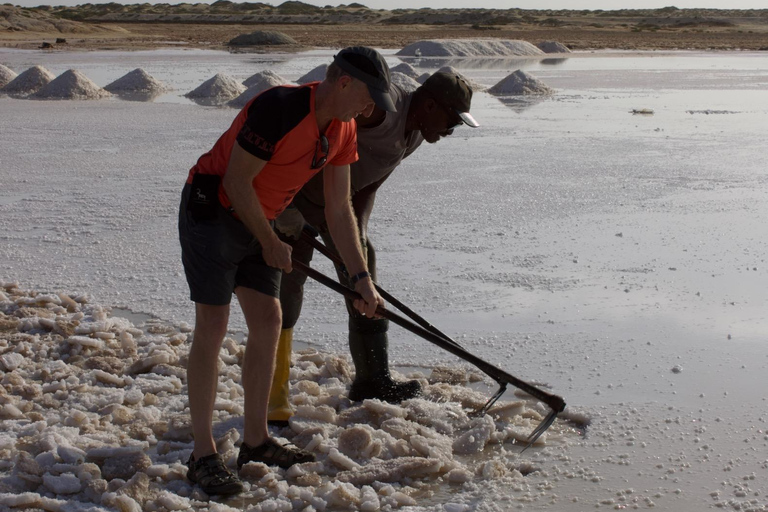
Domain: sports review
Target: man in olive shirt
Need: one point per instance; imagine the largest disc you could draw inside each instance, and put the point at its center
(384, 139)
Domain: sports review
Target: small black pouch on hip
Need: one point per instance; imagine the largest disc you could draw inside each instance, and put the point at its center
(204, 197)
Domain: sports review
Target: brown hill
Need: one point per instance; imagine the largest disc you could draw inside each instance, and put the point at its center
(17, 19)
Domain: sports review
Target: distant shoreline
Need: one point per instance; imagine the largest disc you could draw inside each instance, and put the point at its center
(143, 26)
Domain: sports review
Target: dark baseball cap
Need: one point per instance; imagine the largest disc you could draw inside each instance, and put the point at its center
(368, 66)
(452, 91)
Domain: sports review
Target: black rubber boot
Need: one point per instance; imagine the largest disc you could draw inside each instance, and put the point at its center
(368, 345)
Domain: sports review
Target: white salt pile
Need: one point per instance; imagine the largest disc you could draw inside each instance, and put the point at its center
(218, 89)
(6, 75)
(476, 86)
(257, 84)
(71, 85)
(93, 411)
(316, 75)
(266, 77)
(405, 82)
(423, 77)
(521, 83)
(137, 81)
(553, 47)
(405, 69)
(29, 82)
(470, 48)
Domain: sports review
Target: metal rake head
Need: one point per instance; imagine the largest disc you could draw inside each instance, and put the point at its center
(543, 426)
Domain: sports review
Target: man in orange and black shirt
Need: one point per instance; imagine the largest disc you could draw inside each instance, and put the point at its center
(276, 144)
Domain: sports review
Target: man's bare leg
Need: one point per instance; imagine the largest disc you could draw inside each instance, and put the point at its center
(263, 317)
(203, 373)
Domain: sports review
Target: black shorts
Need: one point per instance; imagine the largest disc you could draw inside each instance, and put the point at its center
(221, 254)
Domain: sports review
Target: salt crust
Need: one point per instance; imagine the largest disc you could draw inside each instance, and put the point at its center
(79, 427)
(29, 82)
(470, 48)
(257, 84)
(71, 85)
(220, 87)
(6, 75)
(315, 75)
(521, 83)
(136, 81)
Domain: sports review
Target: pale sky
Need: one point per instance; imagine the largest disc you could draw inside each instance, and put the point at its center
(487, 4)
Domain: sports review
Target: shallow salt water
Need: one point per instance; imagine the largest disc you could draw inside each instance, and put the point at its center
(567, 241)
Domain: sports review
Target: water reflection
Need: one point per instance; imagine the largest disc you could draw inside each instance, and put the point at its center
(552, 62)
(473, 63)
(210, 102)
(520, 104)
(147, 96)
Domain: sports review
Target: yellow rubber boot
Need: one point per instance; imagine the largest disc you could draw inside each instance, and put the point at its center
(279, 405)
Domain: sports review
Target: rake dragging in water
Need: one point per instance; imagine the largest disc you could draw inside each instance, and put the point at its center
(430, 333)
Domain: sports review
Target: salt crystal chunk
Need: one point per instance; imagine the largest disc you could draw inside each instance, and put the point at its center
(369, 500)
(344, 496)
(403, 499)
(26, 499)
(354, 441)
(230, 406)
(108, 378)
(456, 507)
(459, 476)
(144, 365)
(313, 444)
(439, 448)
(125, 467)
(11, 361)
(384, 408)
(70, 454)
(493, 469)
(475, 439)
(47, 323)
(62, 484)
(68, 302)
(122, 502)
(342, 460)
(307, 386)
(507, 411)
(322, 413)
(10, 411)
(7, 442)
(133, 396)
(46, 459)
(154, 384)
(173, 502)
(393, 470)
(84, 341)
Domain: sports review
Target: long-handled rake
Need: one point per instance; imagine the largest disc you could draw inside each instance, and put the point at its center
(430, 333)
